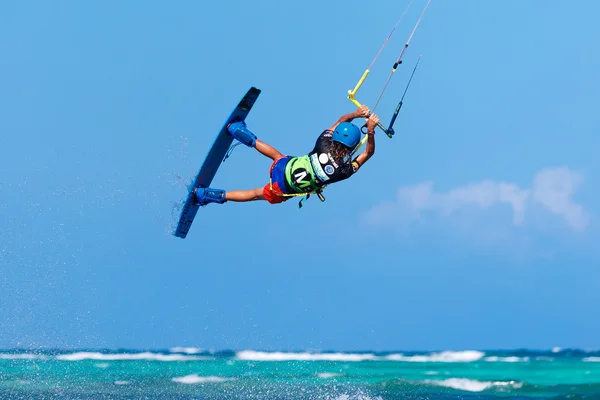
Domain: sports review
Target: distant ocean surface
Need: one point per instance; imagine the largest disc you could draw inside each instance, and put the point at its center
(189, 373)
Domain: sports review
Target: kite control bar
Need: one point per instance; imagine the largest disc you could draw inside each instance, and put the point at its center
(389, 130)
(352, 93)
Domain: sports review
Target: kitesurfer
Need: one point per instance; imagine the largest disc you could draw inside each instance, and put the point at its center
(329, 162)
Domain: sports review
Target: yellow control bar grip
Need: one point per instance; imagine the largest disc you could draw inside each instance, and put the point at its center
(356, 103)
(352, 93)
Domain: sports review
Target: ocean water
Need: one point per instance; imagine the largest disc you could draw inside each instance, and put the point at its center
(189, 373)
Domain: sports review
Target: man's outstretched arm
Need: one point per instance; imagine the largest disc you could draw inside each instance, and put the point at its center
(363, 157)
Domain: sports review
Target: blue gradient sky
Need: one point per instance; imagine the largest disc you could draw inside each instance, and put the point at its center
(473, 228)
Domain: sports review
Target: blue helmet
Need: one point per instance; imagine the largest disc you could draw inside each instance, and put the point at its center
(347, 134)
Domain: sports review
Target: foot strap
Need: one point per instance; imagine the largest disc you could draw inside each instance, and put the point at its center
(205, 196)
(240, 131)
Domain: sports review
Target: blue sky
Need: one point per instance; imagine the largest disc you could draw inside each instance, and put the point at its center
(474, 227)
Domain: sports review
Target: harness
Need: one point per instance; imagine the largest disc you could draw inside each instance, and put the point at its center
(304, 190)
(317, 191)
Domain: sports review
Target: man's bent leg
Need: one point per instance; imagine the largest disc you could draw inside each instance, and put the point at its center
(245, 195)
(267, 150)
(272, 194)
(239, 131)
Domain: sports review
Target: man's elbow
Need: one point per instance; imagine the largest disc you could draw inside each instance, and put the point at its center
(368, 155)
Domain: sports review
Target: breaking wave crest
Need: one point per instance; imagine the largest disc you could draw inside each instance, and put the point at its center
(471, 385)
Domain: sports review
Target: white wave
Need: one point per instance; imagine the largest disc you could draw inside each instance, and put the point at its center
(445, 356)
(195, 378)
(326, 375)
(122, 382)
(251, 355)
(556, 349)
(432, 373)
(470, 385)
(186, 350)
(507, 359)
(592, 359)
(102, 365)
(80, 356)
(357, 396)
(22, 357)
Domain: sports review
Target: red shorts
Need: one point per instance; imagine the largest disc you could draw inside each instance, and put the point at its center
(273, 193)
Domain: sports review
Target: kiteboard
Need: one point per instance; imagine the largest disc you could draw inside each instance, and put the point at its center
(213, 160)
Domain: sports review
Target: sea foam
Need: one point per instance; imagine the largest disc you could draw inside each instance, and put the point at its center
(22, 356)
(186, 350)
(507, 359)
(470, 385)
(195, 378)
(80, 356)
(445, 356)
(326, 375)
(251, 355)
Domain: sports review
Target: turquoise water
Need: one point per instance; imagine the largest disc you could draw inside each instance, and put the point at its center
(195, 374)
